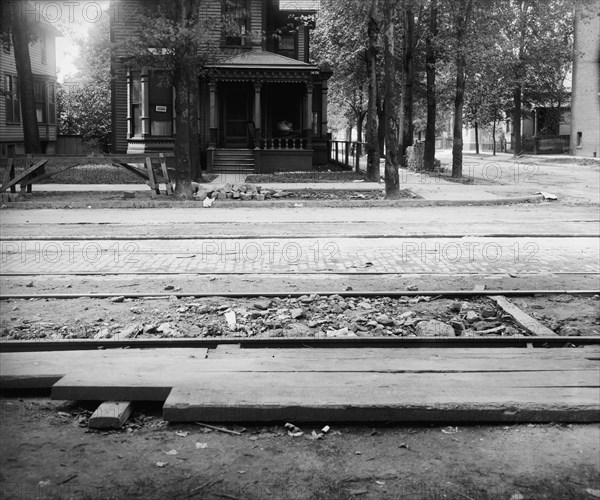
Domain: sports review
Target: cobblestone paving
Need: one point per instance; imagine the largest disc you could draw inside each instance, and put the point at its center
(320, 255)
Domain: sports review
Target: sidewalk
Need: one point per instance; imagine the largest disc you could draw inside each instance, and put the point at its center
(498, 179)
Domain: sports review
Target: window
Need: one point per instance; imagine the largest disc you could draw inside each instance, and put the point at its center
(579, 139)
(41, 101)
(161, 105)
(43, 44)
(236, 22)
(136, 103)
(51, 104)
(287, 45)
(13, 104)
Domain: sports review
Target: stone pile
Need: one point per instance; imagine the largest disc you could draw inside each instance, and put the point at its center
(242, 192)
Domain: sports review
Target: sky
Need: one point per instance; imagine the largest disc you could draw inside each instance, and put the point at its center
(73, 19)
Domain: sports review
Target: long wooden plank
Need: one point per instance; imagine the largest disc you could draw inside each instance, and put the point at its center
(22, 175)
(522, 318)
(111, 415)
(141, 173)
(41, 370)
(386, 397)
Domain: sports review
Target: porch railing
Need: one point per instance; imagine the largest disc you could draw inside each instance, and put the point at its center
(347, 153)
(283, 143)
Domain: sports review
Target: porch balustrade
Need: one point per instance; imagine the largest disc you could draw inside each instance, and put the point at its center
(284, 143)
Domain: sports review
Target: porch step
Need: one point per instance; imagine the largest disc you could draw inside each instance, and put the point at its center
(233, 160)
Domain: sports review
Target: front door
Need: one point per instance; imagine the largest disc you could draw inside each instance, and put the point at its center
(236, 110)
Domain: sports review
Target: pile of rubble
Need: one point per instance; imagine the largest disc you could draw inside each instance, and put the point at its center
(242, 192)
(306, 316)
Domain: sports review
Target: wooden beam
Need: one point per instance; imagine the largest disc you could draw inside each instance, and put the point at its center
(530, 324)
(23, 175)
(111, 415)
(9, 174)
(151, 180)
(165, 172)
(137, 171)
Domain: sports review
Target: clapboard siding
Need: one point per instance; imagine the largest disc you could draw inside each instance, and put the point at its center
(14, 133)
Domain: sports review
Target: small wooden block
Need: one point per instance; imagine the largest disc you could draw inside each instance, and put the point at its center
(111, 415)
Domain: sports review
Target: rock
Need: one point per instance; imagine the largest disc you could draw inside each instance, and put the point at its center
(169, 287)
(297, 313)
(384, 319)
(128, 194)
(164, 328)
(236, 195)
(214, 330)
(118, 299)
(458, 326)
(245, 196)
(130, 331)
(230, 318)
(412, 288)
(488, 312)
(201, 195)
(298, 330)
(29, 285)
(103, 333)
(262, 305)
(570, 331)
(342, 332)
(511, 330)
(472, 316)
(207, 203)
(454, 307)
(434, 328)
(260, 197)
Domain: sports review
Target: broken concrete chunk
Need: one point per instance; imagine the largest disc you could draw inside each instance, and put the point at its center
(434, 328)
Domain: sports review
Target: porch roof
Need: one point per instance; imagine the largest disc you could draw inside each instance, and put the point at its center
(263, 65)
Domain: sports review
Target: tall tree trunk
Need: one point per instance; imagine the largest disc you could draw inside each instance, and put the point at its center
(462, 24)
(182, 147)
(429, 153)
(31, 133)
(382, 126)
(392, 180)
(194, 141)
(372, 137)
(517, 120)
(359, 138)
(494, 134)
(476, 138)
(407, 80)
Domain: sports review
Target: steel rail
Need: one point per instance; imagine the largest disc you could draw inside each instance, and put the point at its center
(300, 342)
(250, 295)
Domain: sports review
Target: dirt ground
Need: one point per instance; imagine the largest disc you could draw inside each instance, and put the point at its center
(48, 452)
(307, 316)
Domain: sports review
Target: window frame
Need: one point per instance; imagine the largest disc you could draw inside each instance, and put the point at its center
(12, 99)
(244, 37)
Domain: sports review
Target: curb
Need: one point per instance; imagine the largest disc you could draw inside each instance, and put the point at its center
(25, 205)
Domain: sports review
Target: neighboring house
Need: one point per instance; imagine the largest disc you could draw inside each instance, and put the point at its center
(262, 105)
(585, 114)
(43, 65)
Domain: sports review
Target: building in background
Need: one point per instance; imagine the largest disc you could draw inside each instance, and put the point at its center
(43, 66)
(585, 109)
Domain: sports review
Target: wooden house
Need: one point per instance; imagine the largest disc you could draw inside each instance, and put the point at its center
(42, 52)
(262, 104)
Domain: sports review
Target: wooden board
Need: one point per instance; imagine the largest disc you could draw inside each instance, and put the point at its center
(386, 397)
(165, 173)
(522, 318)
(9, 174)
(22, 175)
(111, 415)
(41, 370)
(151, 179)
(327, 384)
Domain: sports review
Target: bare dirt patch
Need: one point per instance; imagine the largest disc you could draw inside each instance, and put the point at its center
(48, 452)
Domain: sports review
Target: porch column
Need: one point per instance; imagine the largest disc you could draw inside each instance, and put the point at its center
(145, 97)
(257, 116)
(324, 110)
(129, 117)
(309, 115)
(212, 89)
